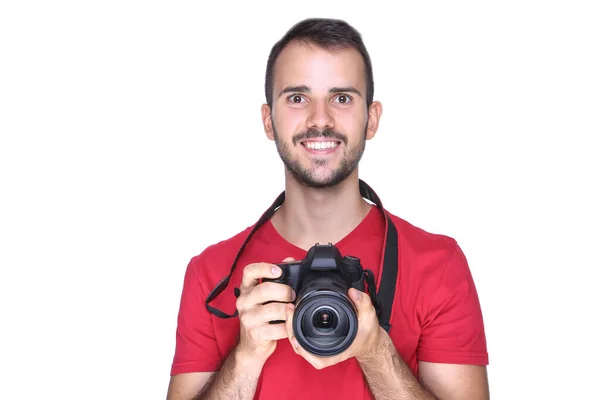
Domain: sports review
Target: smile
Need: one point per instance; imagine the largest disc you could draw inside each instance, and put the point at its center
(321, 145)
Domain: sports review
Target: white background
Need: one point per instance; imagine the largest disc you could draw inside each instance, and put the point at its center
(131, 139)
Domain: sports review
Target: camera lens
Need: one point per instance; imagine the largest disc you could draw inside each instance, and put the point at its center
(324, 318)
(325, 322)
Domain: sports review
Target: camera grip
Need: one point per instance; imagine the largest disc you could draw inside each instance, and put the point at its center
(290, 274)
(359, 285)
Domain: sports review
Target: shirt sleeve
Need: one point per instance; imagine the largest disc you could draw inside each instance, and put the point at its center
(453, 330)
(196, 348)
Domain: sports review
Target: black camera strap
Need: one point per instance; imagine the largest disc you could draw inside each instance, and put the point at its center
(382, 300)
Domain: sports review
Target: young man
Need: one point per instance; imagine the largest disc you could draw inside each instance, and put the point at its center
(320, 112)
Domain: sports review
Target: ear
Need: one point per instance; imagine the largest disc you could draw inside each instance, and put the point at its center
(374, 115)
(267, 122)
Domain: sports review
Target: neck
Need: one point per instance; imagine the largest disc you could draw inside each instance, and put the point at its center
(310, 216)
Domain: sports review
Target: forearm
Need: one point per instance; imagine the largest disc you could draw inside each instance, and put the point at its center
(388, 375)
(236, 380)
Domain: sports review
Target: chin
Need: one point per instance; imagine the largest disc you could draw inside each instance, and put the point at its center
(320, 181)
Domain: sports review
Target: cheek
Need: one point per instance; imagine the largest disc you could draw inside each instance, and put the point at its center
(290, 121)
(351, 124)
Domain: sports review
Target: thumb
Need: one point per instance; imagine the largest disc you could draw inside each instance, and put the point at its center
(289, 259)
(360, 299)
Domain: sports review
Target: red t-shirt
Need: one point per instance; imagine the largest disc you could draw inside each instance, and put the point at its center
(436, 315)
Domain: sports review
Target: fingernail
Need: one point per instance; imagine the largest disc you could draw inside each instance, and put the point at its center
(357, 294)
(275, 271)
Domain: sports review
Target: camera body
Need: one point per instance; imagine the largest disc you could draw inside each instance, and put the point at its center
(325, 320)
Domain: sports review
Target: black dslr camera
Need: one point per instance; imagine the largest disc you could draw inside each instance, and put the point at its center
(325, 321)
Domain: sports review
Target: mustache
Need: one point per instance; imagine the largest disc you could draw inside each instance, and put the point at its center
(315, 133)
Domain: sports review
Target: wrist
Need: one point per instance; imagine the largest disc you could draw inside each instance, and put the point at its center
(379, 349)
(245, 360)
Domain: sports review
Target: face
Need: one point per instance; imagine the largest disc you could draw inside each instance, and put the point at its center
(319, 119)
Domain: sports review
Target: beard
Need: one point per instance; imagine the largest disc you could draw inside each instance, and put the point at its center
(309, 177)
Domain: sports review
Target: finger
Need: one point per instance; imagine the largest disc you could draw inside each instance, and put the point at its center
(270, 332)
(295, 345)
(361, 301)
(270, 291)
(268, 312)
(316, 362)
(254, 272)
(288, 259)
(289, 327)
(294, 340)
(289, 321)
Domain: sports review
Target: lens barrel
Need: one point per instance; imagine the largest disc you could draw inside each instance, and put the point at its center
(325, 321)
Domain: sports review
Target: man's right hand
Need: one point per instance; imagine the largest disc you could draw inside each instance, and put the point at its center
(258, 338)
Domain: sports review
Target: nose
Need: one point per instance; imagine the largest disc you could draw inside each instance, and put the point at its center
(320, 116)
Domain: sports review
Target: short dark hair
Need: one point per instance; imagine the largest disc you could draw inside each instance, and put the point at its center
(327, 33)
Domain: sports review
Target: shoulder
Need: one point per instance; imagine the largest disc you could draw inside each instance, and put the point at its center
(432, 262)
(420, 241)
(216, 259)
(223, 250)
(427, 259)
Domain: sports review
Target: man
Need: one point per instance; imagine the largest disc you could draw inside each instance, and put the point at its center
(320, 112)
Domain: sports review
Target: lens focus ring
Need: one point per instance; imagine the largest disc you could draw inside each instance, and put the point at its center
(325, 322)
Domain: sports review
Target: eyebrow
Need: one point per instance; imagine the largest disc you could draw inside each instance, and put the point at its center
(305, 89)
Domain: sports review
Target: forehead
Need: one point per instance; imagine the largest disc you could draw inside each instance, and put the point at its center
(318, 68)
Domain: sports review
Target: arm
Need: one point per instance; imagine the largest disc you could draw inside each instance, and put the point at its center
(448, 378)
(187, 385)
(237, 379)
(389, 377)
(455, 381)
(452, 350)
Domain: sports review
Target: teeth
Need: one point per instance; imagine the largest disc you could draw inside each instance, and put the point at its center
(320, 145)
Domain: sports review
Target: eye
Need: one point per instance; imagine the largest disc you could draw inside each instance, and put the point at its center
(296, 99)
(343, 98)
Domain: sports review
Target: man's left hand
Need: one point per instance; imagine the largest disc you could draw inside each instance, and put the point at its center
(365, 343)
